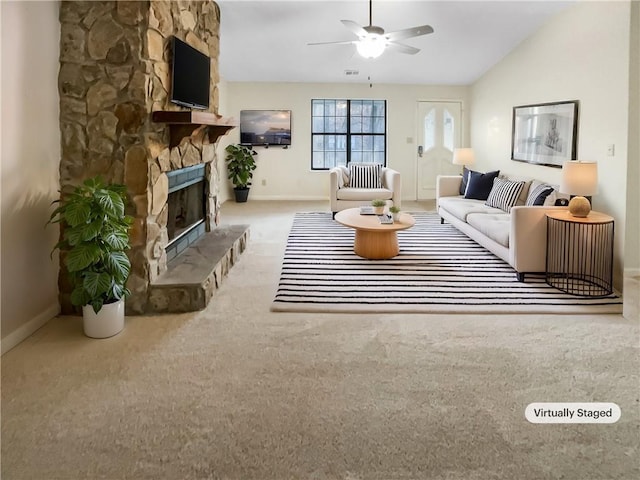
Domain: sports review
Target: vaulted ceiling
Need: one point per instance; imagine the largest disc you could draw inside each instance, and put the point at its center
(266, 41)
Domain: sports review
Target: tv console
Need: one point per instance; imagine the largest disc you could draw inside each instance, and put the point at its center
(184, 124)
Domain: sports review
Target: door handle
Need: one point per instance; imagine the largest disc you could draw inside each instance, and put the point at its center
(420, 150)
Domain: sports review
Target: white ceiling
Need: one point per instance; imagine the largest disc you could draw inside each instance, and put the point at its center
(266, 41)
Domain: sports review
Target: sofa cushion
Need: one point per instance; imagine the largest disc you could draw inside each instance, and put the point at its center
(538, 193)
(479, 184)
(460, 207)
(504, 194)
(365, 175)
(364, 194)
(496, 226)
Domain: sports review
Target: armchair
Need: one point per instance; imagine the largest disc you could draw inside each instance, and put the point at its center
(342, 196)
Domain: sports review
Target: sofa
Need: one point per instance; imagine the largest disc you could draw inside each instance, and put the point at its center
(345, 193)
(517, 234)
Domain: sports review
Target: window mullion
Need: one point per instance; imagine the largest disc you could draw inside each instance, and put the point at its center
(348, 131)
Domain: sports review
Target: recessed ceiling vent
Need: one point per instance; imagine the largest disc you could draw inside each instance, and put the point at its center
(351, 73)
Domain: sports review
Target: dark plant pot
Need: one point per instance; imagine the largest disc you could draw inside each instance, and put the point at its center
(241, 194)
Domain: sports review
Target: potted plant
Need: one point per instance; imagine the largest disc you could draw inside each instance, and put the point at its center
(240, 167)
(395, 211)
(95, 237)
(378, 206)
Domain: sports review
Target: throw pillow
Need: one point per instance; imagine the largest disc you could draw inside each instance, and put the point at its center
(538, 194)
(465, 179)
(365, 176)
(504, 194)
(345, 175)
(479, 185)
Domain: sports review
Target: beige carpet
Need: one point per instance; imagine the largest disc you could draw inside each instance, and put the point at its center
(238, 392)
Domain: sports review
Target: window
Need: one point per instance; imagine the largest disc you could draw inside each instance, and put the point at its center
(344, 131)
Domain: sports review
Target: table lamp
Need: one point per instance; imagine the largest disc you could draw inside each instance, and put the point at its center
(463, 156)
(580, 180)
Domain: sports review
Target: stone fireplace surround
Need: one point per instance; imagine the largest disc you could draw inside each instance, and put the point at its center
(114, 73)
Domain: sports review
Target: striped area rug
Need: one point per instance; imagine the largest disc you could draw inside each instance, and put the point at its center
(439, 270)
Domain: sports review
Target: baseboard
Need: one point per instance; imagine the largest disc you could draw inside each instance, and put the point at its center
(297, 198)
(631, 290)
(24, 331)
(632, 273)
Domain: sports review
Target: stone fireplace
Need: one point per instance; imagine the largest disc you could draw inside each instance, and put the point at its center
(114, 74)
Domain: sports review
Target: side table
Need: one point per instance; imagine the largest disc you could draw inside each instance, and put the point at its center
(580, 253)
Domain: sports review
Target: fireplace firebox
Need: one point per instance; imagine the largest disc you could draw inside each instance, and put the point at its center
(186, 208)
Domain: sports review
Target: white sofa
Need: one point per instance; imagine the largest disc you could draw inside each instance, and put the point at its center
(343, 196)
(518, 237)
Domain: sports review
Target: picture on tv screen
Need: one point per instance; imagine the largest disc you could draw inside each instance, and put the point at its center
(265, 127)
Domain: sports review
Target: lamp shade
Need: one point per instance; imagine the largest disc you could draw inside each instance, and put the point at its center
(579, 178)
(463, 156)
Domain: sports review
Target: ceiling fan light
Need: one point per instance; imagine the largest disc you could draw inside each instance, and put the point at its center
(371, 46)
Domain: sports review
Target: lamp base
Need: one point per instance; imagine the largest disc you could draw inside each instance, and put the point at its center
(579, 207)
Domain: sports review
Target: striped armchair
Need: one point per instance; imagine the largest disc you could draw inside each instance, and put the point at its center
(360, 183)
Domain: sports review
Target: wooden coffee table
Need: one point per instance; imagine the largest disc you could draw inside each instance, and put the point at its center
(374, 240)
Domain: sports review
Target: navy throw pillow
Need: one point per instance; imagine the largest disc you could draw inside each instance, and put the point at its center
(538, 195)
(479, 184)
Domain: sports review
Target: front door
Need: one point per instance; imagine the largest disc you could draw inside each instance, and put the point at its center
(439, 132)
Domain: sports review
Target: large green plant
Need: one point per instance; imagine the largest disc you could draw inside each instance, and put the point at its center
(95, 238)
(240, 165)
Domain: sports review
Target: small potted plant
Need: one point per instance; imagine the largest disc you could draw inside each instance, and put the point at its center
(395, 211)
(240, 167)
(378, 206)
(95, 237)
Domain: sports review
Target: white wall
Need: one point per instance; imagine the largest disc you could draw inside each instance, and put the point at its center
(632, 241)
(581, 54)
(288, 173)
(29, 172)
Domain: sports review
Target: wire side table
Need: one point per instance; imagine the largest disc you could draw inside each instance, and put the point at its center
(580, 253)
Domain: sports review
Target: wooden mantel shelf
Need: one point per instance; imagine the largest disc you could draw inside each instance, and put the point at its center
(183, 124)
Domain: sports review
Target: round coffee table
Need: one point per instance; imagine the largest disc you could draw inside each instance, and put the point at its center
(374, 240)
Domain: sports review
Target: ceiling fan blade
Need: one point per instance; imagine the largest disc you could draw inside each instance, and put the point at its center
(354, 27)
(402, 48)
(409, 32)
(345, 42)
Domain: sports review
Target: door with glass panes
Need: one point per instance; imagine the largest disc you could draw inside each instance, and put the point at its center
(439, 132)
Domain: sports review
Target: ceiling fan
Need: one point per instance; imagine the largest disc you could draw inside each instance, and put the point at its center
(372, 40)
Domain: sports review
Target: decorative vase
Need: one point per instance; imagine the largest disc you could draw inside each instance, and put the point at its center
(109, 321)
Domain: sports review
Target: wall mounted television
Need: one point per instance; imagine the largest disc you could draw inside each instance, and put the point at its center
(190, 76)
(265, 127)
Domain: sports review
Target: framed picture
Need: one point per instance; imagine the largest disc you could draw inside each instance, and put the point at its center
(545, 134)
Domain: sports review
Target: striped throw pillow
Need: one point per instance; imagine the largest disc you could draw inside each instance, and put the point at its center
(538, 194)
(504, 194)
(365, 176)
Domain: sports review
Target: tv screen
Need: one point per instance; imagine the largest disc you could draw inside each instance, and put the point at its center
(265, 127)
(190, 76)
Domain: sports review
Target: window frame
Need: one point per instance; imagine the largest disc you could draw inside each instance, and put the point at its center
(348, 134)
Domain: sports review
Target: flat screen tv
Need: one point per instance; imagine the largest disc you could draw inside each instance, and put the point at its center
(190, 76)
(265, 127)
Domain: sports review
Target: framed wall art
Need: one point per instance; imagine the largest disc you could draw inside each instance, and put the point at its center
(546, 133)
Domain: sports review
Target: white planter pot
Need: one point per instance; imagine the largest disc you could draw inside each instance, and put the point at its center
(396, 217)
(109, 321)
